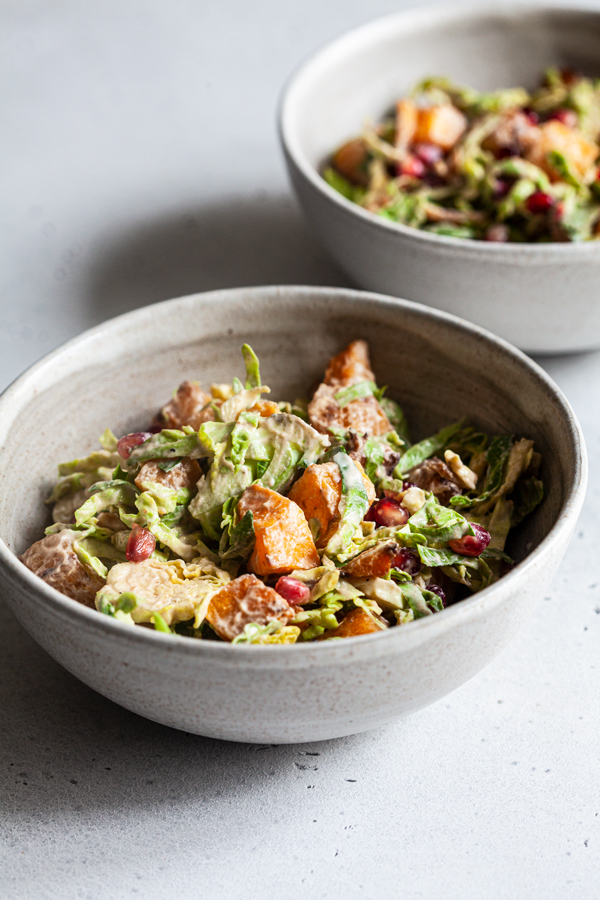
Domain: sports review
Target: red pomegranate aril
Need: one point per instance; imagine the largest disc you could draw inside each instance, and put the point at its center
(429, 154)
(502, 187)
(436, 589)
(156, 428)
(472, 544)
(568, 117)
(140, 545)
(539, 203)
(498, 234)
(388, 513)
(408, 484)
(531, 115)
(408, 561)
(413, 167)
(293, 590)
(127, 443)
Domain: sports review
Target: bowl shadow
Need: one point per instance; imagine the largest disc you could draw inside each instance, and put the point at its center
(234, 243)
(66, 748)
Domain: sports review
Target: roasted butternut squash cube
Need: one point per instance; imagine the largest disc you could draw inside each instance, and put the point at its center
(374, 562)
(365, 415)
(351, 365)
(406, 123)
(318, 493)
(242, 601)
(264, 408)
(350, 161)
(354, 623)
(577, 150)
(442, 125)
(283, 538)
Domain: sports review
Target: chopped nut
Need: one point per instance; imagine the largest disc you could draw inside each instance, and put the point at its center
(465, 475)
(413, 500)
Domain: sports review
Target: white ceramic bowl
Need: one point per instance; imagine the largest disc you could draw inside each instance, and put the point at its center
(544, 298)
(117, 374)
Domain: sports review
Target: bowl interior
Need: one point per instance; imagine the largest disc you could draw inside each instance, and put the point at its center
(117, 375)
(360, 76)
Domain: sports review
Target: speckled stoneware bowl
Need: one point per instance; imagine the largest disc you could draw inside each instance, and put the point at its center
(439, 367)
(544, 298)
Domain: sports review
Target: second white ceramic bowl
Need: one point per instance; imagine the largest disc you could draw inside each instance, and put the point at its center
(544, 298)
(119, 373)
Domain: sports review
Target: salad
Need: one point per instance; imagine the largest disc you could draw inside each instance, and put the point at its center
(240, 519)
(502, 166)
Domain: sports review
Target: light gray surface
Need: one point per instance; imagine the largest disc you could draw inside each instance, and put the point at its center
(139, 161)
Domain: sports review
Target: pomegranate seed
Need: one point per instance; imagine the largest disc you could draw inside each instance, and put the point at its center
(127, 443)
(531, 115)
(498, 234)
(140, 545)
(408, 561)
(293, 590)
(429, 154)
(408, 484)
(566, 116)
(507, 152)
(472, 544)
(502, 187)
(413, 167)
(539, 202)
(156, 428)
(436, 589)
(388, 513)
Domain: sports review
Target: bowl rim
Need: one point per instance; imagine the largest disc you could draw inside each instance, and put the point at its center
(416, 19)
(17, 574)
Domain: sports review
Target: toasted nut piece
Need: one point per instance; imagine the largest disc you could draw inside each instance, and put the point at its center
(54, 560)
(318, 493)
(413, 500)
(246, 600)
(354, 623)
(111, 520)
(188, 407)
(435, 476)
(465, 475)
(442, 125)
(184, 475)
(283, 538)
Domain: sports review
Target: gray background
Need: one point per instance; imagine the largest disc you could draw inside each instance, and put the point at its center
(139, 161)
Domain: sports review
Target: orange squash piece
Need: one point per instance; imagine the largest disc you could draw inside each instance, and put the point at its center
(364, 415)
(318, 493)
(354, 623)
(442, 125)
(350, 161)
(246, 600)
(374, 562)
(577, 150)
(283, 538)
